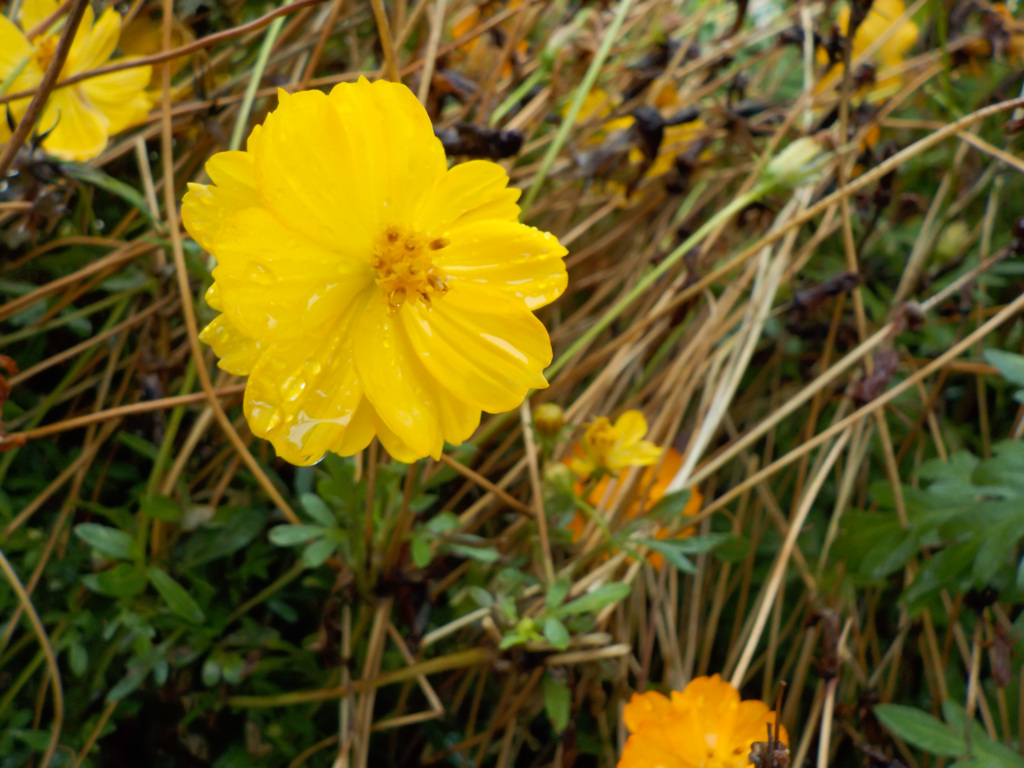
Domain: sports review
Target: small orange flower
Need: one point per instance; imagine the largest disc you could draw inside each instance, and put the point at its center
(704, 726)
(653, 485)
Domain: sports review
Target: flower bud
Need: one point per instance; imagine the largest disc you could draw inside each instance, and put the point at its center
(549, 419)
(796, 165)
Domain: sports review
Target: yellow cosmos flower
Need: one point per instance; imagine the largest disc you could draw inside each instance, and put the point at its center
(365, 288)
(611, 448)
(880, 18)
(705, 726)
(79, 119)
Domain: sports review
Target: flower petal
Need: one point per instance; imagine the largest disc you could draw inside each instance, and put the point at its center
(35, 12)
(469, 192)
(121, 96)
(94, 44)
(395, 381)
(630, 427)
(237, 353)
(302, 396)
(398, 157)
(358, 433)
(307, 174)
(14, 47)
(77, 130)
(508, 259)
(205, 206)
(489, 353)
(276, 284)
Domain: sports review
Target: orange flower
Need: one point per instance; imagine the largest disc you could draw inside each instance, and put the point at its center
(705, 726)
(657, 482)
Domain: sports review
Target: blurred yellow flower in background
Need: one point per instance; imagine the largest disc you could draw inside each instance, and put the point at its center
(611, 448)
(882, 16)
(704, 726)
(77, 120)
(365, 288)
(651, 489)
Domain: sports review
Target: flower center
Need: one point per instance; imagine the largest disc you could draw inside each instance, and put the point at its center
(43, 53)
(405, 266)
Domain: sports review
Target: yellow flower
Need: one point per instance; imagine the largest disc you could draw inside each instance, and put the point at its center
(651, 489)
(705, 726)
(880, 18)
(364, 287)
(613, 448)
(77, 120)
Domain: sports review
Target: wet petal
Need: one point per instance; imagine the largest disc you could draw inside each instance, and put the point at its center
(276, 284)
(237, 353)
(358, 433)
(205, 206)
(488, 353)
(469, 192)
(508, 259)
(395, 381)
(303, 395)
(14, 48)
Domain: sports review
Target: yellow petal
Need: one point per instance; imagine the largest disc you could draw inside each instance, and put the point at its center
(94, 44)
(640, 454)
(237, 353)
(205, 206)
(398, 157)
(469, 192)
(307, 175)
(276, 284)
(358, 433)
(213, 297)
(392, 443)
(35, 12)
(630, 427)
(395, 381)
(489, 354)
(302, 396)
(79, 130)
(507, 259)
(121, 96)
(14, 48)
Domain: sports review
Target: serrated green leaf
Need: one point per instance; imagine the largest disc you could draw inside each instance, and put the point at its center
(671, 505)
(318, 510)
(317, 552)
(176, 596)
(594, 601)
(160, 507)
(557, 702)
(111, 542)
(556, 633)
(669, 552)
(291, 535)
(921, 730)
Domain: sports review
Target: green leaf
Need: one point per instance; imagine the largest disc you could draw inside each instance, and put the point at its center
(556, 633)
(482, 554)
(98, 178)
(421, 553)
(671, 505)
(733, 549)
(317, 552)
(318, 510)
(108, 541)
(231, 529)
(557, 593)
(557, 702)
(669, 552)
(78, 659)
(596, 600)
(123, 580)
(161, 507)
(444, 522)
(290, 535)
(176, 597)
(921, 730)
(1009, 365)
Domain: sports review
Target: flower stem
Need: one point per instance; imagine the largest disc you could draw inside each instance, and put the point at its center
(245, 109)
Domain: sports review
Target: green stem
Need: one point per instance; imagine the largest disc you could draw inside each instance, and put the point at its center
(577, 104)
(245, 109)
(517, 95)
